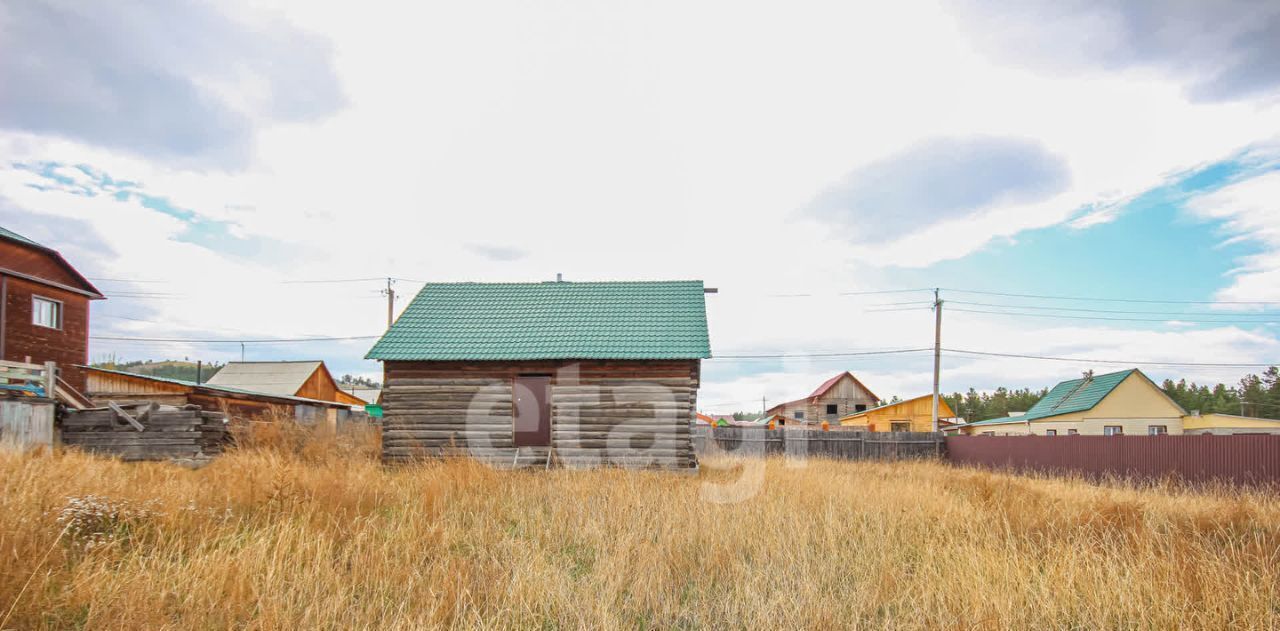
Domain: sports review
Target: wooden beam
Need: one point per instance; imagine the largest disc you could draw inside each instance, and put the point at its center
(121, 414)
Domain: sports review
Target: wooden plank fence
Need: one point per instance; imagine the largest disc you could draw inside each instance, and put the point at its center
(24, 377)
(27, 422)
(802, 443)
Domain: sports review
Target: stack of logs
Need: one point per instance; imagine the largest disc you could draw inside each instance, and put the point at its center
(146, 431)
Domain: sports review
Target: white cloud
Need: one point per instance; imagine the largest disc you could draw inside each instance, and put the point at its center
(1250, 210)
(654, 140)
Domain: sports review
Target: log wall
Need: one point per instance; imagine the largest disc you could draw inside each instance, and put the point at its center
(603, 413)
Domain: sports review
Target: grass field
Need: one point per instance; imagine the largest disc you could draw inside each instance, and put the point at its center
(309, 534)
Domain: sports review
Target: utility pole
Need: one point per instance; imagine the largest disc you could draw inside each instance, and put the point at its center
(937, 353)
(391, 302)
(763, 406)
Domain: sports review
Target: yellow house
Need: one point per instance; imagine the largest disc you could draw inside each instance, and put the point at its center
(1125, 402)
(1228, 424)
(912, 415)
(1115, 404)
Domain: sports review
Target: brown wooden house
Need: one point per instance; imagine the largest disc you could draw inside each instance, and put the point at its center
(44, 307)
(307, 379)
(838, 396)
(579, 374)
(105, 385)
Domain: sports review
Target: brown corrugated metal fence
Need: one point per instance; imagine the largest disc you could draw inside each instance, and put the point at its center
(1238, 459)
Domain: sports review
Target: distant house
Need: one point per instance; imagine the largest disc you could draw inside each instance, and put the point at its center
(703, 419)
(838, 396)
(105, 385)
(306, 379)
(1114, 404)
(44, 307)
(579, 373)
(912, 415)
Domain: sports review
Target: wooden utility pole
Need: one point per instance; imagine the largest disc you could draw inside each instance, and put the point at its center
(937, 353)
(391, 303)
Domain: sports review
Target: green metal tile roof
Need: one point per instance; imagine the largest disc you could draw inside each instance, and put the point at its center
(1076, 395)
(553, 320)
(9, 234)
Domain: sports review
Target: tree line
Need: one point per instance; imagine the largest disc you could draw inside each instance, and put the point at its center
(1253, 395)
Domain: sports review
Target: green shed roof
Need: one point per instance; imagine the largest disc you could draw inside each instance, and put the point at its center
(1076, 395)
(552, 320)
(9, 234)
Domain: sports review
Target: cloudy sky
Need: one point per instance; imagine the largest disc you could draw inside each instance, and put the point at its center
(201, 159)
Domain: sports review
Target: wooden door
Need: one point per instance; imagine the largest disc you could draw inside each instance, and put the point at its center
(532, 411)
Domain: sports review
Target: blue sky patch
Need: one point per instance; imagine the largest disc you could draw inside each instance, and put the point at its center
(1152, 249)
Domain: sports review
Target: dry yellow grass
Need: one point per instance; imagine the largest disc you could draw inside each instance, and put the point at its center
(311, 534)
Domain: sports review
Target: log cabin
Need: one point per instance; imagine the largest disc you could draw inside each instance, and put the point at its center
(44, 307)
(578, 374)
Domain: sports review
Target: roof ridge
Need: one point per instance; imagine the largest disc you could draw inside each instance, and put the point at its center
(275, 361)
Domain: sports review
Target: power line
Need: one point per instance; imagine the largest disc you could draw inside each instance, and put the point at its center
(333, 280)
(1094, 299)
(233, 341)
(841, 354)
(1080, 317)
(1111, 361)
(882, 291)
(1083, 310)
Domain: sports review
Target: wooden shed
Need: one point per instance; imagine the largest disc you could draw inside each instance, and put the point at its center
(579, 374)
(308, 379)
(119, 386)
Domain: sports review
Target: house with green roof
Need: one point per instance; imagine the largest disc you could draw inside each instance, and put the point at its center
(1113, 404)
(565, 373)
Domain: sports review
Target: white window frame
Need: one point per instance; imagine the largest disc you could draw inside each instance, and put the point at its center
(1073, 432)
(1157, 430)
(1050, 432)
(1106, 430)
(58, 311)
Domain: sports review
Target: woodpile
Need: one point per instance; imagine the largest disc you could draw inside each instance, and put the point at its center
(146, 431)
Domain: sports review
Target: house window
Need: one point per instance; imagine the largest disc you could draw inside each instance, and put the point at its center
(1157, 430)
(900, 426)
(798, 414)
(861, 407)
(1050, 432)
(832, 409)
(1113, 430)
(988, 433)
(46, 312)
(1072, 432)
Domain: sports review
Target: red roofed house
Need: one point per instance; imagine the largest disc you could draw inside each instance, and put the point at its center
(44, 307)
(838, 396)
